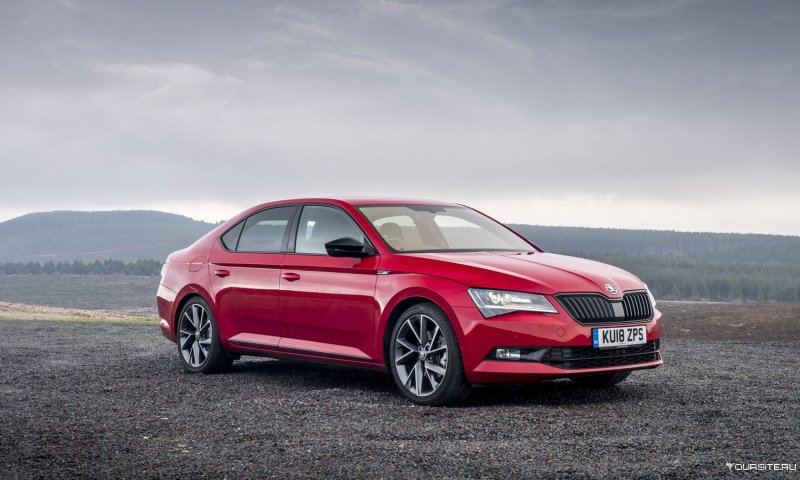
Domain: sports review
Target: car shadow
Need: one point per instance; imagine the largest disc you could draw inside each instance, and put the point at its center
(312, 376)
(556, 393)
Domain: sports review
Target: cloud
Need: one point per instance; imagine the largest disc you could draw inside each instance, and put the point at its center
(565, 107)
(167, 81)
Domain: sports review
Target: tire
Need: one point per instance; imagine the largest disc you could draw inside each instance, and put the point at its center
(200, 352)
(435, 374)
(602, 381)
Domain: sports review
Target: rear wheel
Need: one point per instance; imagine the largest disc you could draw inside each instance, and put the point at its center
(198, 340)
(602, 381)
(425, 358)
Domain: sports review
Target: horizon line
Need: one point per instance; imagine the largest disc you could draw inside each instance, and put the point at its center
(665, 230)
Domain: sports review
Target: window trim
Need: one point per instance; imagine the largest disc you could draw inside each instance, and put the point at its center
(235, 225)
(292, 240)
(284, 241)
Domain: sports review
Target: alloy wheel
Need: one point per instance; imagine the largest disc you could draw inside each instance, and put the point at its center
(420, 355)
(195, 335)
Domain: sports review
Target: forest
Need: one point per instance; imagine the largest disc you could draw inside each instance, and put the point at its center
(668, 278)
(676, 265)
(676, 279)
(79, 267)
(687, 265)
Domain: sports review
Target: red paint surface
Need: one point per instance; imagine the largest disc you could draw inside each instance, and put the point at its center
(323, 308)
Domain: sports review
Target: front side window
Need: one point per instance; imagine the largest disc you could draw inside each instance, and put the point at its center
(438, 228)
(319, 225)
(263, 231)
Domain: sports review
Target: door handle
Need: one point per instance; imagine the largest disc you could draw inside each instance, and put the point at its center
(290, 276)
(221, 273)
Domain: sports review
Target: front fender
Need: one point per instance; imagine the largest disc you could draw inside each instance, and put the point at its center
(395, 288)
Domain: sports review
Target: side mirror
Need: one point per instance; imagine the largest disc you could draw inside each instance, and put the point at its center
(348, 247)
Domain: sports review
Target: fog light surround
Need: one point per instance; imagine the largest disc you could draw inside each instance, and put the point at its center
(507, 354)
(527, 354)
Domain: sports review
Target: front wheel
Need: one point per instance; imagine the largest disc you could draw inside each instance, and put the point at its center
(198, 339)
(601, 381)
(425, 358)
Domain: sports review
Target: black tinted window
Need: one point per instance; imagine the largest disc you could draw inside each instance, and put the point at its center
(231, 237)
(319, 225)
(263, 231)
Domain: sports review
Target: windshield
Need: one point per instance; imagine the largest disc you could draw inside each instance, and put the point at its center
(436, 228)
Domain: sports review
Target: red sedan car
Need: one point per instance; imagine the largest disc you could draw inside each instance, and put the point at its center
(438, 294)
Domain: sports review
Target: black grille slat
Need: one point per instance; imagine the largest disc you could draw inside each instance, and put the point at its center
(603, 308)
(629, 304)
(637, 306)
(584, 309)
(587, 307)
(580, 311)
(596, 309)
(637, 302)
(571, 309)
(590, 352)
(590, 357)
(609, 310)
(590, 306)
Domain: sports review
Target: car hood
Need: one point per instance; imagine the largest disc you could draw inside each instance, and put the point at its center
(546, 273)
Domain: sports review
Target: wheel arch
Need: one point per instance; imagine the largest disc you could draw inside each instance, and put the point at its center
(186, 294)
(394, 317)
(402, 302)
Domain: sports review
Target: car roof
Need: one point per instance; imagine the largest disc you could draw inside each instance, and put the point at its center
(361, 201)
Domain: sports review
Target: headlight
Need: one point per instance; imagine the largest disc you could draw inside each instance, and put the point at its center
(650, 294)
(497, 302)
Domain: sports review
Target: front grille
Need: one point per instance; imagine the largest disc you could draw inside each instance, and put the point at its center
(595, 309)
(637, 306)
(590, 357)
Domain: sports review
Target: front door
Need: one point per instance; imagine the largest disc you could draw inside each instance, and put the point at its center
(327, 303)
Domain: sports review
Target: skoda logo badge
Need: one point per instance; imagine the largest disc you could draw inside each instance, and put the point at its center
(611, 289)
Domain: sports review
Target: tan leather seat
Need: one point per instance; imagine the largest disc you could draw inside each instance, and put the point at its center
(391, 230)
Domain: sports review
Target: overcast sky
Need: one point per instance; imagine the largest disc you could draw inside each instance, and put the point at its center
(669, 115)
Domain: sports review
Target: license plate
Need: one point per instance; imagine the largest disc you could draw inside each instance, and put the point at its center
(619, 336)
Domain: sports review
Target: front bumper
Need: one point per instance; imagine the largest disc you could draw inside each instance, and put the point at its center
(530, 330)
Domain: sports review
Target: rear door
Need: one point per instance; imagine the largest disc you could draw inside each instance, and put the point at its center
(327, 303)
(245, 276)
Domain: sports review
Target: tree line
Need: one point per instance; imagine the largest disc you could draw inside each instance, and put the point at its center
(78, 267)
(669, 279)
(703, 247)
(672, 279)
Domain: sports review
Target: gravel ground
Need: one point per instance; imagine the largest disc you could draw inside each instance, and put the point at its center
(108, 400)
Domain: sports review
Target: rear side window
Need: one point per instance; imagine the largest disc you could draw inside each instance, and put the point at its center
(231, 237)
(264, 231)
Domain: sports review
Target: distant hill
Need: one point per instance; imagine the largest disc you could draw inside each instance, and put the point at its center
(676, 265)
(687, 265)
(141, 234)
(89, 236)
(706, 247)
